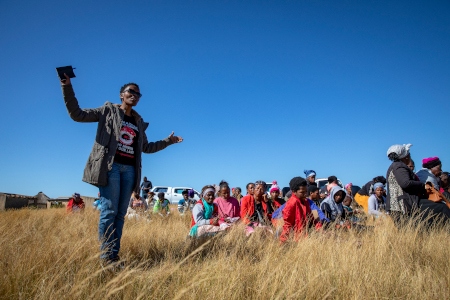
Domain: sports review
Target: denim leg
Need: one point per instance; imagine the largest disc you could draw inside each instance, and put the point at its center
(109, 199)
(127, 180)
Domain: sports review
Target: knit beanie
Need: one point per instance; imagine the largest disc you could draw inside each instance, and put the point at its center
(431, 162)
(309, 173)
(274, 187)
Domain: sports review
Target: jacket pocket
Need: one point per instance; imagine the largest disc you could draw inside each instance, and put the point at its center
(95, 172)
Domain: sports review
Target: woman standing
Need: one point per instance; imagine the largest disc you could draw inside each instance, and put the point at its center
(114, 164)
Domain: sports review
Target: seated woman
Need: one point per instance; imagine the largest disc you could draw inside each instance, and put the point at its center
(136, 207)
(406, 195)
(205, 219)
(377, 200)
(431, 171)
(255, 212)
(275, 199)
(228, 207)
(362, 196)
(161, 206)
(332, 205)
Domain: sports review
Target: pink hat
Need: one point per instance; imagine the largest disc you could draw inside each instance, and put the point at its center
(348, 184)
(274, 187)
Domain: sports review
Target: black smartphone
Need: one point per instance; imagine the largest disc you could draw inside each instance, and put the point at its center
(68, 70)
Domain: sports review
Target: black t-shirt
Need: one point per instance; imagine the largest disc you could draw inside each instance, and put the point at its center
(128, 142)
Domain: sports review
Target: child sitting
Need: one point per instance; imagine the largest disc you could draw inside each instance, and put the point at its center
(161, 206)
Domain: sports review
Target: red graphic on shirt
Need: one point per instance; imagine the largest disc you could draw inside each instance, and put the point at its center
(127, 135)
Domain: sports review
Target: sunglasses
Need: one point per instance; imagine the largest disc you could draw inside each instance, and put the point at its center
(133, 92)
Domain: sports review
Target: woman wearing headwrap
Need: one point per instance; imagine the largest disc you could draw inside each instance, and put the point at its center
(332, 205)
(405, 194)
(377, 200)
(431, 170)
(362, 196)
(205, 218)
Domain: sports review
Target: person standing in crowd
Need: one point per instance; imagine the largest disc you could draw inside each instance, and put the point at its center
(205, 219)
(362, 196)
(332, 205)
(75, 204)
(114, 164)
(377, 200)
(297, 214)
(146, 186)
(431, 171)
(228, 207)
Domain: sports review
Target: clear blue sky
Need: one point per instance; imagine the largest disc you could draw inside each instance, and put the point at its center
(258, 89)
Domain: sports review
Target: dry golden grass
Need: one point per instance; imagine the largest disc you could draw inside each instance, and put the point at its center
(47, 254)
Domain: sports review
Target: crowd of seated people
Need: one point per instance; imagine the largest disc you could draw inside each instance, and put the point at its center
(400, 195)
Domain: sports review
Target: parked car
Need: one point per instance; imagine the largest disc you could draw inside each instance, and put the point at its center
(173, 194)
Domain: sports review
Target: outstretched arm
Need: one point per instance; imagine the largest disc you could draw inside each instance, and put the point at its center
(160, 145)
(75, 112)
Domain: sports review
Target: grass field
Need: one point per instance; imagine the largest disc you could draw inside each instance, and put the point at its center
(47, 254)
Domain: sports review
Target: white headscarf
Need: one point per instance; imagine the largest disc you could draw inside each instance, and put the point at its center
(401, 150)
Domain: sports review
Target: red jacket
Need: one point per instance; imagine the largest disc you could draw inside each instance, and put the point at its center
(248, 208)
(72, 204)
(297, 217)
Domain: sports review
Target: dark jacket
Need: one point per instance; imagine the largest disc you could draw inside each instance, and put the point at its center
(403, 191)
(109, 118)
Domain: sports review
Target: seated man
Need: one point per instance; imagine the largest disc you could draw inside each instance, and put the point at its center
(297, 214)
(183, 203)
(75, 204)
(161, 206)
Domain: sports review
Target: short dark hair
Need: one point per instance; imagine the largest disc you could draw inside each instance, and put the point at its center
(127, 85)
(296, 183)
(312, 189)
(185, 192)
(160, 195)
(332, 179)
(248, 184)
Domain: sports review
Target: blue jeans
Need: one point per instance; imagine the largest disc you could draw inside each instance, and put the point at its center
(114, 199)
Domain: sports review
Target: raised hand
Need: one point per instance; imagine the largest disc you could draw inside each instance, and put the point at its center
(174, 138)
(65, 81)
